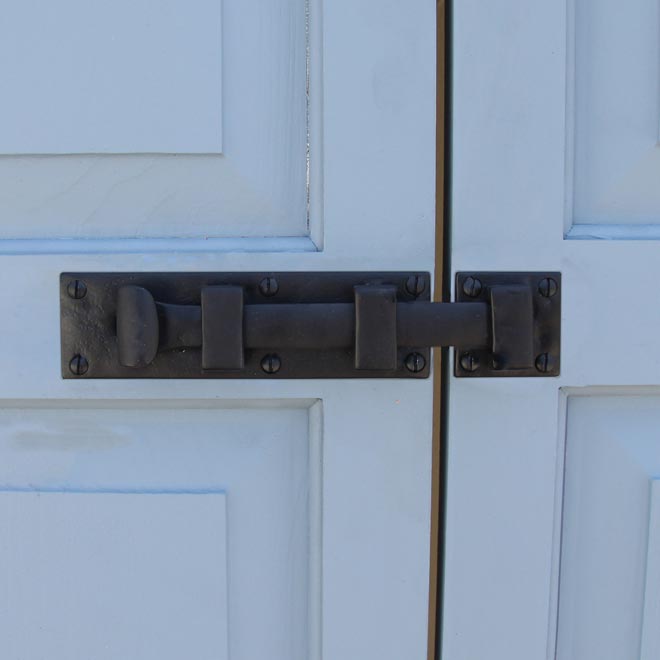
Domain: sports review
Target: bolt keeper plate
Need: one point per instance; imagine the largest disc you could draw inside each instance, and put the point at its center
(544, 288)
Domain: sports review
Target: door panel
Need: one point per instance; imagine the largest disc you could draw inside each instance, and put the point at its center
(519, 568)
(609, 589)
(614, 117)
(123, 121)
(98, 572)
(128, 499)
(95, 78)
(326, 164)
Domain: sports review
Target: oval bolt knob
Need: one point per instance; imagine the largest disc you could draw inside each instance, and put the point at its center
(79, 365)
(76, 289)
(271, 363)
(548, 287)
(268, 286)
(415, 362)
(472, 287)
(469, 362)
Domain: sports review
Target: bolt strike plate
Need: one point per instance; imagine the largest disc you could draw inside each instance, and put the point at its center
(545, 289)
(89, 345)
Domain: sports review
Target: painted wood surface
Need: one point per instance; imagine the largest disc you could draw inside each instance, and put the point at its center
(506, 438)
(327, 483)
(113, 574)
(613, 109)
(143, 120)
(98, 483)
(609, 591)
(88, 77)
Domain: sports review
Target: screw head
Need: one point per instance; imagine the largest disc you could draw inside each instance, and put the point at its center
(271, 363)
(469, 362)
(415, 285)
(545, 363)
(76, 289)
(548, 287)
(472, 287)
(415, 362)
(78, 365)
(268, 286)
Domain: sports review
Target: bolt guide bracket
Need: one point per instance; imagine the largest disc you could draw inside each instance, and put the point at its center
(306, 325)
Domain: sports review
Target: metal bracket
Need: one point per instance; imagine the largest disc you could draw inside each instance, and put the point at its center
(301, 325)
(525, 324)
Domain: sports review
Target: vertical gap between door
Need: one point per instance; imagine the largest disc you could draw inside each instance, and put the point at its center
(435, 592)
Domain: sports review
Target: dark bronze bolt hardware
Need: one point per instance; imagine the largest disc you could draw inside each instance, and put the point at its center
(548, 287)
(320, 324)
(415, 285)
(469, 362)
(76, 289)
(415, 362)
(544, 363)
(271, 363)
(269, 286)
(472, 287)
(78, 365)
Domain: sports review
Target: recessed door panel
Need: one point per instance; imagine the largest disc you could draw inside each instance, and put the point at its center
(614, 118)
(113, 574)
(158, 531)
(173, 119)
(125, 77)
(609, 592)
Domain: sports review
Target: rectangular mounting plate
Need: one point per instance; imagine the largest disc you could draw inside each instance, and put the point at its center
(88, 323)
(545, 291)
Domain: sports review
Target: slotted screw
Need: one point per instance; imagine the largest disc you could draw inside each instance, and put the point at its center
(469, 362)
(545, 363)
(415, 285)
(472, 287)
(78, 365)
(415, 362)
(268, 286)
(76, 289)
(271, 363)
(548, 287)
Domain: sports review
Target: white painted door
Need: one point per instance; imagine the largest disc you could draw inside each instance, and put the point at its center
(211, 519)
(552, 503)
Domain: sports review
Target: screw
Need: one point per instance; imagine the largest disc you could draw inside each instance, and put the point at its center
(268, 286)
(548, 287)
(469, 362)
(472, 287)
(76, 289)
(271, 363)
(545, 363)
(415, 285)
(78, 365)
(415, 362)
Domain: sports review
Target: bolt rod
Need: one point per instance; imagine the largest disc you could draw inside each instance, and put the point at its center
(332, 325)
